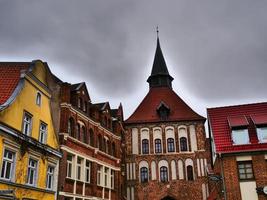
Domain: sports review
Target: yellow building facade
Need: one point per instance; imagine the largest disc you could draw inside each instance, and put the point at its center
(29, 148)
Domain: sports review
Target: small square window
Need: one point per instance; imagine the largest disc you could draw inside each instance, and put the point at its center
(240, 136)
(245, 170)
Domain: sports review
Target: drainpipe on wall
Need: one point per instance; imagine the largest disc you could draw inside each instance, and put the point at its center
(222, 173)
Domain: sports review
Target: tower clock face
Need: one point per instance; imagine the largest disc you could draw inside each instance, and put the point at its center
(265, 190)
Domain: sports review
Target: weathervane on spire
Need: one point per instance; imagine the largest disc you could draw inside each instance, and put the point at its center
(157, 31)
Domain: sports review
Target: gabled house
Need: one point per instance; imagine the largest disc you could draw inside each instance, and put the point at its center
(239, 151)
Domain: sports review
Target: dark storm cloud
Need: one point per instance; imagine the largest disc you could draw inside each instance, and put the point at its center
(215, 50)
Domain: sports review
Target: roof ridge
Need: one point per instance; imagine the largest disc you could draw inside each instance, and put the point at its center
(238, 105)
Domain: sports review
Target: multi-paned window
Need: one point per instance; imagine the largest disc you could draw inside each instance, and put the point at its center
(43, 133)
(50, 177)
(158, 148)
(163, 174)
(245, 170)
(106, 176)
(32, 172)
(27, 124)
(99, 174)
(183, 144)
(8, 165)
(144, 174)
(240, 136)
(145, 146)
(262, 133)
(69, 165)
(87, 171)
(79, 168)
(170, 144)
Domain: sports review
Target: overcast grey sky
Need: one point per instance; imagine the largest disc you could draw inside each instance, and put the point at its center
(215, 50)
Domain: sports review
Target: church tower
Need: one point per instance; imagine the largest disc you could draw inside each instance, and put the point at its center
(166, 151)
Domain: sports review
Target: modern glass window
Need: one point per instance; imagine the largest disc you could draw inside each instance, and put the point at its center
(32, 172)
(38, 99)
(158, 148)
(170, 144)
(112, 174)
(43, 133)
(87, 171)
(27, 124)
(69, 165)
(78, 168)
(262, 134)
(8, 165)
(50, 177)
(145, 147)
(144, 174)
(163, 174)
(245, 170)
(240, 136)
(183, 144)
(190, 173)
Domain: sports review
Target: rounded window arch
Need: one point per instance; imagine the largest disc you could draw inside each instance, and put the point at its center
(163, 174)
(145, 146)
(158, 148)
(144, 174)
(183, 144)
(71, 127)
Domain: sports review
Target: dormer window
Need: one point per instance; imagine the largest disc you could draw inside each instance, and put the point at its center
(239, 127)
(262, 134)
(163, 111)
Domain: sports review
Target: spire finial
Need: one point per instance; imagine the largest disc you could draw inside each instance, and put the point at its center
(157, 32)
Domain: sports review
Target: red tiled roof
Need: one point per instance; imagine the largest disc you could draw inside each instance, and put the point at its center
(9, 78)
(237, 121)
(259, 119)
(147, 109)
(218, 120)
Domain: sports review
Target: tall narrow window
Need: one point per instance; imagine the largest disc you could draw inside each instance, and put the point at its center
(163, 174)
(27, 124)
(99, 142)
(84, 134)
(91, 137)
(69, 165)
(170, 144)
(113, 149)
(43, 133)
(87, 171)
(158, 146)
(245, 170)
(71, 127)
(106, 177)
(99, 175)
(190, 173)
(183, 144)
(79, 168)
(145, 147)
(8, 165)
(78, 132)
(50, 177)
(32, 172)
(112, 174)
(38, 99)
(144, 174)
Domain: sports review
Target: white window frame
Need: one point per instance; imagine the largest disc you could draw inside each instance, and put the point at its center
(38, 100)
(261, 131)
(87, 177)
(13, 165)
(112, 179)
(70, 166)
(79, 169)
(236, 131)
(35, 171)
(50, 176)
(43, 132)
(100, 175)
(28, 123)
(106, 177)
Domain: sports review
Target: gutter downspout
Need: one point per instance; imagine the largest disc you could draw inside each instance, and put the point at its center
(222, 173)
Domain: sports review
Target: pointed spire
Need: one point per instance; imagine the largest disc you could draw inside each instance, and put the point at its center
(160, 76)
